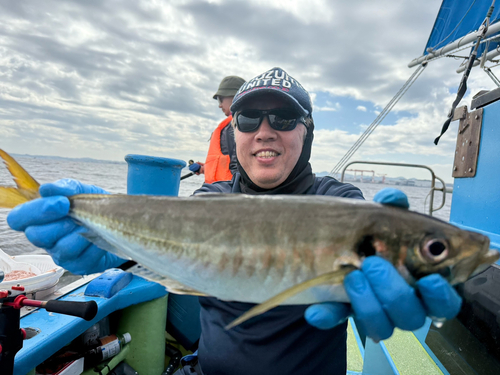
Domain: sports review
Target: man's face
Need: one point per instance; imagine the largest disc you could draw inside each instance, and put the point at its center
(268, 156)
(225, 104)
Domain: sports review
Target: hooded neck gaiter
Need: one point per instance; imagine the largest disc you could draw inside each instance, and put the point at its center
(298, 182)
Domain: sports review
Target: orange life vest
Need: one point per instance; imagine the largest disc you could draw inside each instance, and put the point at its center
(217, 164)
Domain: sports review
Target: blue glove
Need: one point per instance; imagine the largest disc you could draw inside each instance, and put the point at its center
(195, 167)
(46, 224)
(382, 300)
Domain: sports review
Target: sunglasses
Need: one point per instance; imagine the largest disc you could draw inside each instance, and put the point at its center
(220, 99)
(249, 120)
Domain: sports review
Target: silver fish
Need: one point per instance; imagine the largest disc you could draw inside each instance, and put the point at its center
(250, 248)
(269, 249)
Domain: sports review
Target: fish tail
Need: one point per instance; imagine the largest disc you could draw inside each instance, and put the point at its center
(27, 186)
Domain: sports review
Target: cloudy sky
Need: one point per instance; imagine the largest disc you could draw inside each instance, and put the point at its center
(103, 79)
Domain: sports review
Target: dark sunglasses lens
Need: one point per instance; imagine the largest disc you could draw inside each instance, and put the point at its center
(283, 120)
(248, 120)
(280, 124)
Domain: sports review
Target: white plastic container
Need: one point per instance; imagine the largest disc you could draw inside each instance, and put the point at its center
(49, 277)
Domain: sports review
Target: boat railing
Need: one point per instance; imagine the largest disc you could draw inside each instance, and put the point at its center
(432, 190)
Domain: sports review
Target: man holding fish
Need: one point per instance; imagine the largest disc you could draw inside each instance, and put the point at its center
(273, 126)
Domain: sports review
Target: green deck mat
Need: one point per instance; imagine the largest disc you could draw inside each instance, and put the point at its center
(409, 355)
(354, 359)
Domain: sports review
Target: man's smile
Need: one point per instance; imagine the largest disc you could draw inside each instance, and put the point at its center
(266, 154)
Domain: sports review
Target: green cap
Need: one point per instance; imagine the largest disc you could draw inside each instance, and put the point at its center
(229, 86)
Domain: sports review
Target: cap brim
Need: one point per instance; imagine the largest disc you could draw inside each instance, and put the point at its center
(239, 102)
(225, 92)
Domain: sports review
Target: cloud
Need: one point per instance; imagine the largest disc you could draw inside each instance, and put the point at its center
(104, 79)
(330, 107)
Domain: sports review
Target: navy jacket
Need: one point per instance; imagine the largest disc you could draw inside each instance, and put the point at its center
(279, 341)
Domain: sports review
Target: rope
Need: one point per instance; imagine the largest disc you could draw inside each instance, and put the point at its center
(487, 23)
(343, 161)
(462, 88)
(492, 76)
(466, 47)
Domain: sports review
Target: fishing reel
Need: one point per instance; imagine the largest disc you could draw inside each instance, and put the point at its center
(12, 336)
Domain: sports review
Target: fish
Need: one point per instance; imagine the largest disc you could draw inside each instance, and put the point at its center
(267, 249)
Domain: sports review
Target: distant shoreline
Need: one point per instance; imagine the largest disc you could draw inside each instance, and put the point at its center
(348, 177)
(87, 160)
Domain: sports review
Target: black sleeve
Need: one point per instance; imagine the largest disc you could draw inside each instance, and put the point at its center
(225, 187)
(330, 186)
(231, 147)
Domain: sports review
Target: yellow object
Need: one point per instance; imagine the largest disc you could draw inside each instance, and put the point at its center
(27, 186)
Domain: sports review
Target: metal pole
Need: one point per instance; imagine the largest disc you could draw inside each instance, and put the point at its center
(490, 55)
(433, 177)
(469, 38)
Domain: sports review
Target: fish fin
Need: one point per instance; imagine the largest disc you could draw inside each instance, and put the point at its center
(176, 287)
(27, 187)
(23, 179)
(171, 285)
(10, 197)
(333, 277)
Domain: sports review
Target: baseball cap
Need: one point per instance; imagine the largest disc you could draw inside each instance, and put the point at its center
(229, 86)
(278, 82)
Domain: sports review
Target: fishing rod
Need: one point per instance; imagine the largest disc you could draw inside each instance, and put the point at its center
(187, 175)
(191, 162)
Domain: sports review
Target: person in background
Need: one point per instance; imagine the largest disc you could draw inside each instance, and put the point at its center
(274, 131)
(220, 164)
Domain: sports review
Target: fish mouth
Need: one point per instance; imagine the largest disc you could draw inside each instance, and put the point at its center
(490, 257)
(473, 266)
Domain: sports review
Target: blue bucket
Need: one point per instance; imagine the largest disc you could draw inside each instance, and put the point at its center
(153, 175)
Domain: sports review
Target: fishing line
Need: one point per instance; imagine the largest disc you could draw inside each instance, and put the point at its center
(343, 161)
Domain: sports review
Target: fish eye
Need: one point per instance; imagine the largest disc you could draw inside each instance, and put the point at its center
(435, 250)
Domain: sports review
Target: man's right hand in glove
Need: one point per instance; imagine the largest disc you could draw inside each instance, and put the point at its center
(46, 223)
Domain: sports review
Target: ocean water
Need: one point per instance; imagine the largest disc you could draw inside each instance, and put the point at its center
(112, 176)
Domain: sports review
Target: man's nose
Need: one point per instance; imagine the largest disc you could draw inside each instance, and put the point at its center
(265, 132)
